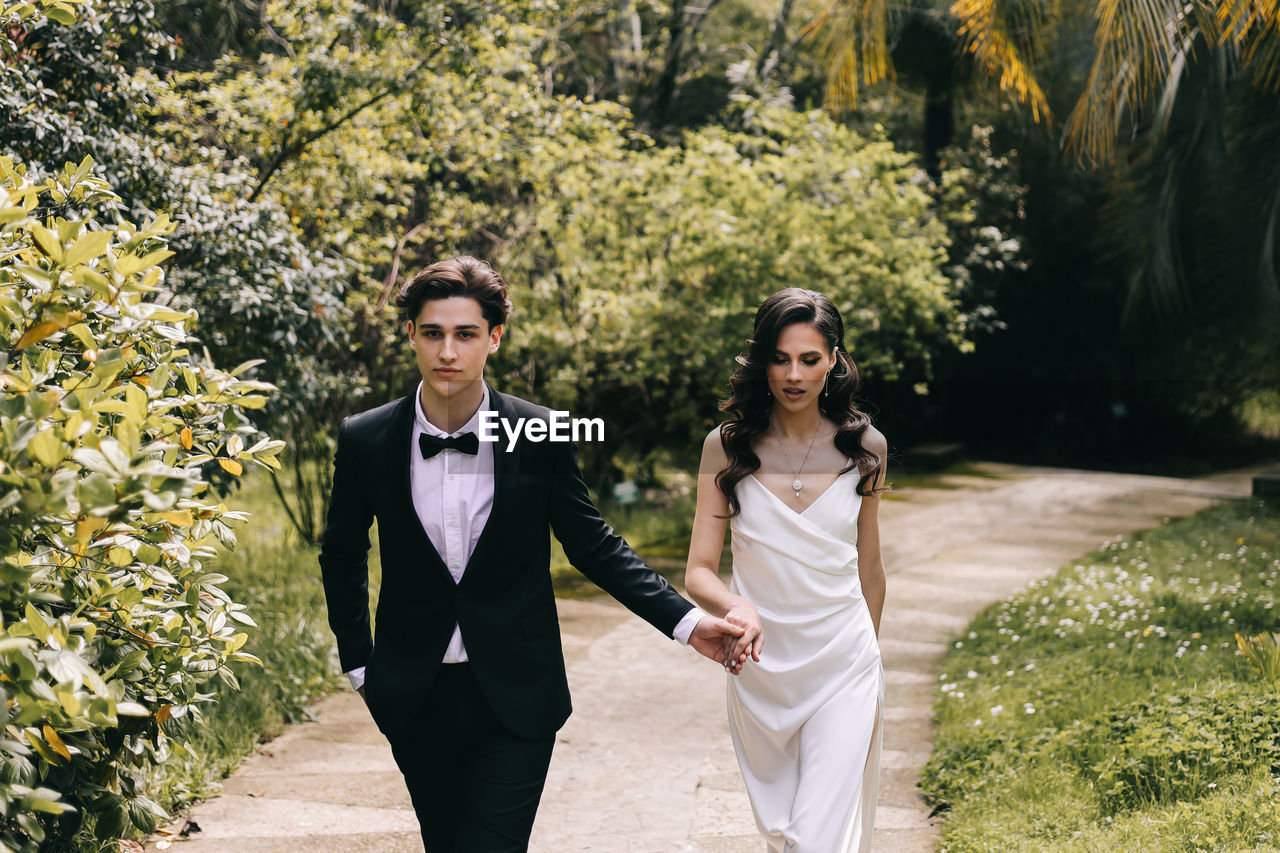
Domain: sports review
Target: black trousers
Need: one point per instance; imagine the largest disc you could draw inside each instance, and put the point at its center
(475, 786)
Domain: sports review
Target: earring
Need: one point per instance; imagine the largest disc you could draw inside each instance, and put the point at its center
(826, 383)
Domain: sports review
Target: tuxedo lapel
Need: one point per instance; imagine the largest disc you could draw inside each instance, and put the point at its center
(504, 477)
(400, 440)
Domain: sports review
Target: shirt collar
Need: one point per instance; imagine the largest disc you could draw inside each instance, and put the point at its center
(472, 425)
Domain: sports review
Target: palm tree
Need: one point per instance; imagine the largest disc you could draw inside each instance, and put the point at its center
(1178, 100)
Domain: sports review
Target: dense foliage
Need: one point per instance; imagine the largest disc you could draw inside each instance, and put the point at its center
(398, 135)
(1108, 707)
(643, 270)
(92, 87)
(113, 625)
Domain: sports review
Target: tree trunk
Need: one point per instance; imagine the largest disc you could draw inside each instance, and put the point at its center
(684, 26)
(774, 51)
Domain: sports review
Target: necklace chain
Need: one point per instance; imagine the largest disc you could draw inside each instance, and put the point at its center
(797, 484)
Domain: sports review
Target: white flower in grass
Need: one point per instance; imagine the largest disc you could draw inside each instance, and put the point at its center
(972, 674)
(996, 710)
(1029, 708)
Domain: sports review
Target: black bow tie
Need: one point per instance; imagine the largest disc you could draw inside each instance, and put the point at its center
(430, 445)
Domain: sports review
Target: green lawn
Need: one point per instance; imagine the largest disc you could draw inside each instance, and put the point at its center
(1108, 708)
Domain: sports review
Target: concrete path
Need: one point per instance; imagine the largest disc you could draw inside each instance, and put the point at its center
(645, 764)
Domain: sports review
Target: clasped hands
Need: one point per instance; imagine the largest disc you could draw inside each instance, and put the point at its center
(733, 640)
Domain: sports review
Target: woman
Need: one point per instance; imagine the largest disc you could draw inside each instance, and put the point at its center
(796, 471)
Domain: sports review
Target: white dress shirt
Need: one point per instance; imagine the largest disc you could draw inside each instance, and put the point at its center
(453, 496)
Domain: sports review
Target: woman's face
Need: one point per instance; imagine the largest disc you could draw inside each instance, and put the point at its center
(798, 367)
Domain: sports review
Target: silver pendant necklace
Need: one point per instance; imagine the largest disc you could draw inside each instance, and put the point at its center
(797, 484)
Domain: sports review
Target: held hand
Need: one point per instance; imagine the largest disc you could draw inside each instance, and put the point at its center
(711, 638)
(743, 614)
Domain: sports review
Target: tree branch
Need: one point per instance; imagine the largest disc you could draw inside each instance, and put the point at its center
(297, 147)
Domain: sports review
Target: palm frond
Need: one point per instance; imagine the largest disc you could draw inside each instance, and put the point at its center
(988, 32)
(854, 38)
(1258, 39)
(1238, 17)
(1141, 48)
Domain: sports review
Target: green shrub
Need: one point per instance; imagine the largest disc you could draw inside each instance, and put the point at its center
(112, 626)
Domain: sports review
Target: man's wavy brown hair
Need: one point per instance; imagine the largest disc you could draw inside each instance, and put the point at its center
(460, 276)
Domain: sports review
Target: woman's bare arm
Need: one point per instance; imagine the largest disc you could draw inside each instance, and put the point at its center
(701, 576)
(870, 562)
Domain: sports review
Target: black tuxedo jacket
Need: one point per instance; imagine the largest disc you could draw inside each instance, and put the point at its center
(504, 602)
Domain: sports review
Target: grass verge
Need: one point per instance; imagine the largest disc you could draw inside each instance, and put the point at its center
(1107, 708)
(279, 578)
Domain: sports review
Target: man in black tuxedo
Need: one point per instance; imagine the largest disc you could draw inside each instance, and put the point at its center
(465, 675)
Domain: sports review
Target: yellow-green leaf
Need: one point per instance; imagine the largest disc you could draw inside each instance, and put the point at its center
(38, 333)
(84, 335)
(70, 703)
(61, 15)
(47, 241)
(88, 247)
(88, 527)
(35, 619)
(38, 744)
(231, 466)
(56, 742)
(47, 449)
(179, 517)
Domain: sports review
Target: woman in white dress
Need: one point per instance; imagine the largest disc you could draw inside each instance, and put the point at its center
(796, 472)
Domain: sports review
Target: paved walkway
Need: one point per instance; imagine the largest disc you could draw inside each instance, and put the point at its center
(645, 763)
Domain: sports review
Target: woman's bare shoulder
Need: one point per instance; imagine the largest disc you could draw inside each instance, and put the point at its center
(874, 440)
(713, 447)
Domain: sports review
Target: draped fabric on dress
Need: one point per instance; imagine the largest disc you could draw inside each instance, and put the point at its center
(805, 720)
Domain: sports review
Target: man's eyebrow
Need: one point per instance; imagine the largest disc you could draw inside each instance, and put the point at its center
(456, 328)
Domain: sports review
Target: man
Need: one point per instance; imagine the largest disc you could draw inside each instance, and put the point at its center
(466, 675)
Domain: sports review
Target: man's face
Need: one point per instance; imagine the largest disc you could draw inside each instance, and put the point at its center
(451, 341)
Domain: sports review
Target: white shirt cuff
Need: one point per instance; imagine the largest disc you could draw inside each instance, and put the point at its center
(684, 628)
(357, 677)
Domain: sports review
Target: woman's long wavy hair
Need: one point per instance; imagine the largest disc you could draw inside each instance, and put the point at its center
(750, 402)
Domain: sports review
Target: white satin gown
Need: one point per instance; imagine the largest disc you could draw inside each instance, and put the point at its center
(806, 719)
